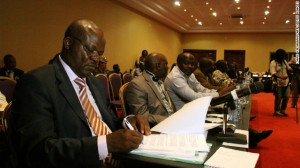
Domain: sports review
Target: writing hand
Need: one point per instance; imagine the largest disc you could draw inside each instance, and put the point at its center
(123, 140)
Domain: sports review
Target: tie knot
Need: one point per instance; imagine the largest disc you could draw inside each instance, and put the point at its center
(80, 82)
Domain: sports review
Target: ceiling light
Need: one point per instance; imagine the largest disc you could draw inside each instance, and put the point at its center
(214, 14)
(196, 20)
(268, 7)
(241, 22)
(177, 3)
(192, 16)
(270, 0)
(184, 10)
(206, 3)
(221, 23)
(200, 23)
(294, 13)
(287, 21)
(238, 8)
(263, 22)
(210, 8)
(237, 1)
(265, 18)
(267, 12)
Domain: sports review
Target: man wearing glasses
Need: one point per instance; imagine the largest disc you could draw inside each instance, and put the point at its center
(60, 115)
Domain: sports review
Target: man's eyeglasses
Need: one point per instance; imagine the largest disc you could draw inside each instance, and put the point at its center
(90, 52)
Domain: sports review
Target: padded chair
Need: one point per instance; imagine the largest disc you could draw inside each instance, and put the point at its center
(127, 77)
(124, 104)
(104, 80)
(7, 87)
(12, 162)
(115, 82)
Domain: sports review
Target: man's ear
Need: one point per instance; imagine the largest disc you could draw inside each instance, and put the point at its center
(67, 42)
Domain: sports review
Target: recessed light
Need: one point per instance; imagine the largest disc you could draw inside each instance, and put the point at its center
(267, 12)
(237, 1)
(177, 3)
(196, 20)
(185, 10)
(287, 21)
(265, 18)
(238, 8)
(207, 3)
(270, 1)
(263, 22)
(241, 22)
(214, 14)
(192, 16)
(210, 8)
(268, 7)
(221, 23)
(200, 23)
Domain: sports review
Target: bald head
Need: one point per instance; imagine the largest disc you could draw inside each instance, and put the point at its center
(83, 46)
(157, 64)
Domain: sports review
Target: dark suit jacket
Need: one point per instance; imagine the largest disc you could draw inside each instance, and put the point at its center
(17, 72)
(143, 98)
(50, 127)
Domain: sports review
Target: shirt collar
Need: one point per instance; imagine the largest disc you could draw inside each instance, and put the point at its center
(71, 74)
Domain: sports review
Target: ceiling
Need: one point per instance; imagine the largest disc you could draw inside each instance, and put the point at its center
(185, 18)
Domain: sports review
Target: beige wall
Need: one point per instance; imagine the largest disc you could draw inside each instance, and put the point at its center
(32, 30)
(257, 46)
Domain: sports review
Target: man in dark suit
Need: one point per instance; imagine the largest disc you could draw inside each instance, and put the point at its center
(146, 94)
(51, 127)
(10, 69)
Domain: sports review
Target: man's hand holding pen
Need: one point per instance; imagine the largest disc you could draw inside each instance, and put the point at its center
(125, 140)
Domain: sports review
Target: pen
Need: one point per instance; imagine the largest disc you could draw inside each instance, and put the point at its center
(129, 126)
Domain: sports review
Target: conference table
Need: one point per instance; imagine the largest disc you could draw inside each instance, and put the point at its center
(131, 160)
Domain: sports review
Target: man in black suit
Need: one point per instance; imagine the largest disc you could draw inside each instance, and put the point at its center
(10, 69)
(51, 128)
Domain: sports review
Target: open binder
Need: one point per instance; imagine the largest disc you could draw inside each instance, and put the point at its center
(183, 135)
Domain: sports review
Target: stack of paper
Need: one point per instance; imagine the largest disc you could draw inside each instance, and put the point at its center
(183, 137)
(229, 158)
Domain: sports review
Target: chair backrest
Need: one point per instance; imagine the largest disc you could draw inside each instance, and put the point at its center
(127, 77)
(7, 87)
(8, 135)
(124, 104)
(105, 84)
(115, 82)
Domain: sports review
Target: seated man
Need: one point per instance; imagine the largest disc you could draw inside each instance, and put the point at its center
(59, 116)
(182, 85)
(146, 94)
(204, 75)
(10, 69)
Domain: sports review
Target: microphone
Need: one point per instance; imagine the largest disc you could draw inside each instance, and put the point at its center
(255, 87)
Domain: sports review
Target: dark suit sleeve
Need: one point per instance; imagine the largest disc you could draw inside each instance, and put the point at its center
(47, 131)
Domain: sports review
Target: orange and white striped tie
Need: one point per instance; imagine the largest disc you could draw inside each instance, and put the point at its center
(99, 127)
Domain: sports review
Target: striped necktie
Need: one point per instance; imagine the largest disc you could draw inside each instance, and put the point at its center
(99, 127)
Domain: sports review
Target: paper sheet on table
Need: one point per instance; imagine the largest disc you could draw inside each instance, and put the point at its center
(177, 145)
(189, 119)
(228, 158)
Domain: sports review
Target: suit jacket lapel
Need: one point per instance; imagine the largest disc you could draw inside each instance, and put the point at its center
(154, 88)
(66, 88)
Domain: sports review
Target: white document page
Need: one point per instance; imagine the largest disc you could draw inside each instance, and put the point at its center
(189, 119)
(229, 158)
(179, 145)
